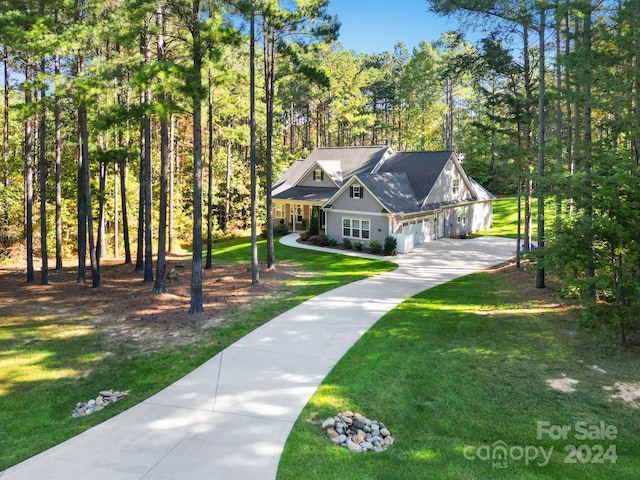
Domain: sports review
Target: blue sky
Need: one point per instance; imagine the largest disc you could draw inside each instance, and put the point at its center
(375, 26)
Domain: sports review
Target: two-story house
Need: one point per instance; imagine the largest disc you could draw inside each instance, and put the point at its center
(365, 193)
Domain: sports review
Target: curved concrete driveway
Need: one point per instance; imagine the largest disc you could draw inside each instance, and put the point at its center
(229, 419)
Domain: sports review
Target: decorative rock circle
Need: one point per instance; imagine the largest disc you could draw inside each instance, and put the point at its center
(105, 398)
(357, 433)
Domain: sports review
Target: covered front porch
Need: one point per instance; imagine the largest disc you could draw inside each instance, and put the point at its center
(298, 216)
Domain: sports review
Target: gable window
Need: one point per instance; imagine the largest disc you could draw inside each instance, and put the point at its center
(355, 228)
(356, 191)
(455, 189)
(318, 175)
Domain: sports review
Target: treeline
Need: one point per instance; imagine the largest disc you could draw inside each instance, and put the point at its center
(561, 105)
(100, 145)
(121, 116)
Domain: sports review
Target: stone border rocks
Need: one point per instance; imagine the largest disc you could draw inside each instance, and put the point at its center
(357, 433)
(104, 398)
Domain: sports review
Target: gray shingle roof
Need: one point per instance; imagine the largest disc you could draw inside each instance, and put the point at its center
(306, 194)
(422, 169)
(353, 160)
(401, 184)
(392, 189)
(291, 176)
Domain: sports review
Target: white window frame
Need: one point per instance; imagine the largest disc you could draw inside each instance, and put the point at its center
(462, 216)
(357, 192)
(455, 186)
(355, 228)
(318, 175)
(280, 210)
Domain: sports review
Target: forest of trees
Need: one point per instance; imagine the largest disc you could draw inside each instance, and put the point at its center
(146, 122)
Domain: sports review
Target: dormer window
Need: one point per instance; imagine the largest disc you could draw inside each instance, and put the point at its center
(318, 175)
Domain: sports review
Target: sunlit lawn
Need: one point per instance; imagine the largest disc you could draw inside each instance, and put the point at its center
(505, 216)
(466, 366)
(49, 363)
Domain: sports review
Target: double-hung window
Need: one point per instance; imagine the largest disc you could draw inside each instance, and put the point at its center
(455, 186)
(356, 228)
(318, 175)
(462, 216)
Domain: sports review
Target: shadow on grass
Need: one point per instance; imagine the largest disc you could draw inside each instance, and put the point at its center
(463, 365)
(51, 362)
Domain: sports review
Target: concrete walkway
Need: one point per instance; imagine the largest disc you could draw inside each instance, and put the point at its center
(229, 419)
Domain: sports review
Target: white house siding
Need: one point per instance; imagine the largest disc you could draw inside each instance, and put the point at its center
(414, 231)
(379, 225)
(442, 190)
(470, 218)
(480, 216)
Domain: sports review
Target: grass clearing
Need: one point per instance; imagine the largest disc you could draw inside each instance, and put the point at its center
(468, 367)
(50, 362)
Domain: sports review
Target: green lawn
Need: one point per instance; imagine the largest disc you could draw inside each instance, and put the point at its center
(505, 217)
(463, 369)
(40, 361)
(462, 366)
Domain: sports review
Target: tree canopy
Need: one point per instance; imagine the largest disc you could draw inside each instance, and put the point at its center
(114, 109)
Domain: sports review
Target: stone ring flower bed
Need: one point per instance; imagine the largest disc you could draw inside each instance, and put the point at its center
(357, 433)
(105, 398)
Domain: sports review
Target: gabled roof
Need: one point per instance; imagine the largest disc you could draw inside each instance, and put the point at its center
(340, 163)
(483, 193)
(291, 176)
(422, 169)
(392, 189)
(400, 182)
(353, 160)
(333, 169)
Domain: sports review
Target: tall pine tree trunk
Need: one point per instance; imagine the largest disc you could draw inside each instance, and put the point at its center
(83, 129)
(227, 194)
(116, 213)
(196, 263)
(160, 286)
(540, 273)
(255, 266)
(146, 180)
(82, 213)
(5, 133)
(269, 81)
(28, 178)
(528, 181)
(101, 247)
(57, 125)
(559, 116)
(587, 146)
(42, 140)
(210, 175)
(172, 162)
(125, 212)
